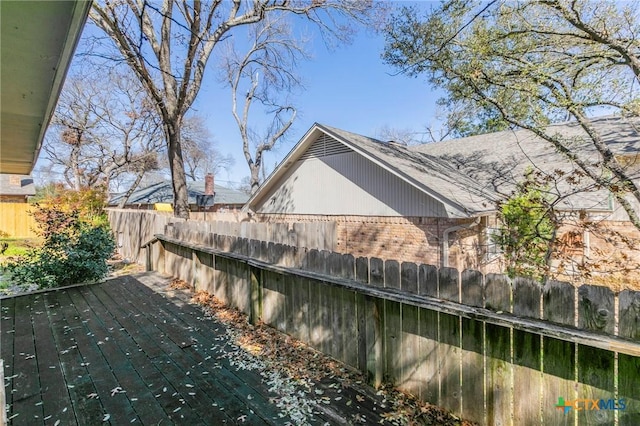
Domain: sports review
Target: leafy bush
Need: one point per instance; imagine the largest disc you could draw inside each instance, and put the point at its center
(88, 203)
(527, 231)
(77, 243)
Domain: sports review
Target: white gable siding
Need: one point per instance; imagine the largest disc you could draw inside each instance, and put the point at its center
(346, 184)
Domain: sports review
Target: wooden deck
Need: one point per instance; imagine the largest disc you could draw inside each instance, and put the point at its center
(129, 351)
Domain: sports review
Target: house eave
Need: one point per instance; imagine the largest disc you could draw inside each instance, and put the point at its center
(38, 42)
(454, 209)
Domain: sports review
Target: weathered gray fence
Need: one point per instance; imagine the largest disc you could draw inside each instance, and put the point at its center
(133, 228)
(487, 348)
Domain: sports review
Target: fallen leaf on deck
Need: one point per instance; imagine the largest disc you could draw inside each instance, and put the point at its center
(117, 390)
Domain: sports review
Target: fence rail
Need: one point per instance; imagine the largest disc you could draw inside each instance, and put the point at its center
(490, 349)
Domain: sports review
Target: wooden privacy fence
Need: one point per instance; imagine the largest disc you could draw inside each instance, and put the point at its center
(490, 349)
(133, 228)
(15, 221)
(317, 235)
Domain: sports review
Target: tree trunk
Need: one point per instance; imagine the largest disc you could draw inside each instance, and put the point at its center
(255, 177)
(75, 164)
(176, 164)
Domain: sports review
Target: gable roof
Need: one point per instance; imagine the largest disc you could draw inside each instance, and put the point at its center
(162, 192)
(469, 175)
(16, 185)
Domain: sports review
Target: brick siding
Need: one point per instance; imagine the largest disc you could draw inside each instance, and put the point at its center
(412, 239)
(613, 253)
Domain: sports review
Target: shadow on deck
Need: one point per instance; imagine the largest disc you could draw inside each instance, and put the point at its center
(128, 351)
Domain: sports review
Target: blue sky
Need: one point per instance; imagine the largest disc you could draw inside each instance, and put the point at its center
(348, 87)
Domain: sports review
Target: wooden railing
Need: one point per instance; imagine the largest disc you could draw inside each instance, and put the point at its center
(490, 349)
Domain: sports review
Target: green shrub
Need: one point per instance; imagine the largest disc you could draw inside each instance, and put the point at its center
(75, 249)
(527, 231)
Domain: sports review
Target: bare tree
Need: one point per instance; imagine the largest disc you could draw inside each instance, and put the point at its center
(168, 48)
(103, 128)
(74, 125)
(263, 78)
(200, 155)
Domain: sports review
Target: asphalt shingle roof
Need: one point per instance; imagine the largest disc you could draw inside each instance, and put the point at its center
(474, 172)
(162, 192)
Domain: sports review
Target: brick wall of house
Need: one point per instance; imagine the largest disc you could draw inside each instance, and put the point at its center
(606, 252)
(598, 252)
(412, 239)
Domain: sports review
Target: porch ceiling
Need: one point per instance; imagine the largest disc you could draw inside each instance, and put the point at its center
(38, 39)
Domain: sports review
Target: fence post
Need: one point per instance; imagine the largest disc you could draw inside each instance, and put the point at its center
(527, 360)
(498, 294)
(558, 356)
(161, 258)
(255, 285)
(595, 366)
(473, 392)
(195, 268)
(148, 265)
(378, 339)
(628, 366)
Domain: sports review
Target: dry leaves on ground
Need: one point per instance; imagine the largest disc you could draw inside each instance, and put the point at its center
(298, 361)
(178, 284)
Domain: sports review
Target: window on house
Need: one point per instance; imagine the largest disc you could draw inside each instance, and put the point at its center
(492, 249)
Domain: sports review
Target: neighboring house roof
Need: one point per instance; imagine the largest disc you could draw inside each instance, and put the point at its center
(162, 192)
(16, 185)
(469, 175)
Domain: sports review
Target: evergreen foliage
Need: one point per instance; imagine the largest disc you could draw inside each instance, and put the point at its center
(527, 231)
(77, 241)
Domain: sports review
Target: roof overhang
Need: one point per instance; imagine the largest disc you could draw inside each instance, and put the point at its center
(38, 40)
(312, 134)
(273, 179)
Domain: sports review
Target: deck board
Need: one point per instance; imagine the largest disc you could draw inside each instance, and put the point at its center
(54, 395)
(26, 390)
(78, 382)
(177, 367)
(7, 336)
(130, 350)
(120, 359)
(147, 355)
(197, 342)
